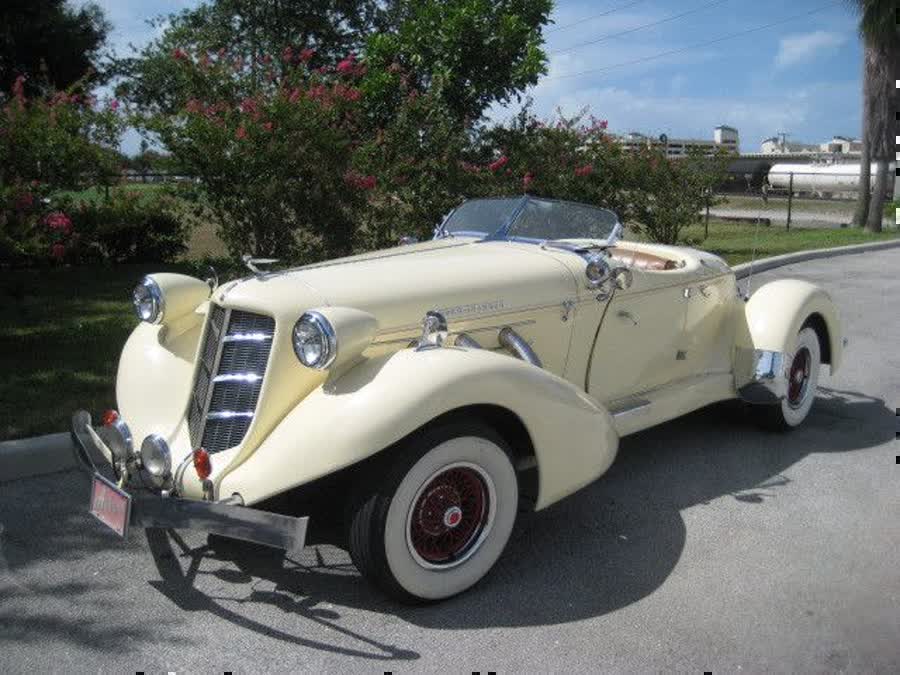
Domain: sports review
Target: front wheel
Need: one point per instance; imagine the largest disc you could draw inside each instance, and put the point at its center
(439, 519)
(803, 379)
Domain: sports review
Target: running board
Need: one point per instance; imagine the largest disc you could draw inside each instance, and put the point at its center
(632, 406)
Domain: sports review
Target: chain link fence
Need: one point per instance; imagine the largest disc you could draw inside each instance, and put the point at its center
(800, 199)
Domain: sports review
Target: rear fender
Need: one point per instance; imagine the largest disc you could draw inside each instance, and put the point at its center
(384, 399)
(776, 313)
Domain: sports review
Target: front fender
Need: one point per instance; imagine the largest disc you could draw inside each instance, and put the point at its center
(776, 313)
(384, 399)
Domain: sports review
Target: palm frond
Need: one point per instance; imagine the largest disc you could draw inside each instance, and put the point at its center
(877, 21)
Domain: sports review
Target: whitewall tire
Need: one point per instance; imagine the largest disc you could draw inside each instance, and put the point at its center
(440, 515)
(803, 379)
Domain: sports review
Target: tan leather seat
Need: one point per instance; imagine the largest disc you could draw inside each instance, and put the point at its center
(641, 260)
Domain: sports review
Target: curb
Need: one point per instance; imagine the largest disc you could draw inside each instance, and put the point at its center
(35, 456)
(39, 455)
(742, 271)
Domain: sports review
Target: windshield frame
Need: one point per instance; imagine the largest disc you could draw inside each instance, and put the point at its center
(502, 233)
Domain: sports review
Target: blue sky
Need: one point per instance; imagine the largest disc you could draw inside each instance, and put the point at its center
(800, 77)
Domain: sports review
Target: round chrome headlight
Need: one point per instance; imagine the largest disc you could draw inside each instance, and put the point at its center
(156, 456)
(315, 342)
(148, 301)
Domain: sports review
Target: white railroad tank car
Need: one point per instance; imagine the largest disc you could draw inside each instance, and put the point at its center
(819, 178)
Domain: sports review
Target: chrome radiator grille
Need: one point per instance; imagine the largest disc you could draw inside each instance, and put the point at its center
(229, 377)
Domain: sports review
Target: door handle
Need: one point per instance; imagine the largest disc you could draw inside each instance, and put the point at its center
(625, 314)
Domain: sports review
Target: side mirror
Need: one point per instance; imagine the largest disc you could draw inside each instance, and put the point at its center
(622, 278)
(407, 240)
(597, 271)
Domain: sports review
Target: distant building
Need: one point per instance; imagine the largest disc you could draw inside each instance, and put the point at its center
(779, 145)
(723, 137)
(842, 145)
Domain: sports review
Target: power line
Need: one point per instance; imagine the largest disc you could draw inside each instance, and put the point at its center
(609, 36)
(671, 52)
(593, 16)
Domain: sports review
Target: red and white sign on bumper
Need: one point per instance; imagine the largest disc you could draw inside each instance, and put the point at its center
(110, 505)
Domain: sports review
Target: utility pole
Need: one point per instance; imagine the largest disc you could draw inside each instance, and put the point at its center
(783, 143)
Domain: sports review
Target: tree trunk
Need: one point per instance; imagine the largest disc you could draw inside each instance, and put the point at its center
(865, 183)
(870, 62)
(876, 204)
(881, 95)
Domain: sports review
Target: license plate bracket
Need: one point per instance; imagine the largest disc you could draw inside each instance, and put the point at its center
(110, 505)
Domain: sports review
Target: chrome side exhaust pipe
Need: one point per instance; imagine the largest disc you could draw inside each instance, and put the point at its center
(517, 345)
(467, 341)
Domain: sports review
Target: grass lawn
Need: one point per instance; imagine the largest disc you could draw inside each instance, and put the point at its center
(95, 194)
(736, 241)
(61, 330)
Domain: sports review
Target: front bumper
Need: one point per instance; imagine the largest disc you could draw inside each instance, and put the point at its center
(151, 509)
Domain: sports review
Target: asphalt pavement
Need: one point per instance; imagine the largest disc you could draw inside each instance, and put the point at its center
(709, 546)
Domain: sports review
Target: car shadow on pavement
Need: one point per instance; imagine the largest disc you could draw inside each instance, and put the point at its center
(611, 544)
(605, 547)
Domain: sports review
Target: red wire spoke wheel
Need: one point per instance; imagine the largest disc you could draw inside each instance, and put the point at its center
(799, 377)
(449, 516)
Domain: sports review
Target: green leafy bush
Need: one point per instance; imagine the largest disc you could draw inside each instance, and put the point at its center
(127, 228)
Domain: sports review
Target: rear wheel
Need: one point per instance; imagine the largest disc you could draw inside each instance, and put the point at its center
(439, 517)
(803, 379)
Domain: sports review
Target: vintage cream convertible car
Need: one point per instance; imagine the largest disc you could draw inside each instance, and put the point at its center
(435, 387)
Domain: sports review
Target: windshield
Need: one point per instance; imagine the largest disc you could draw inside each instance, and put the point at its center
(530, 219)
(481, 216)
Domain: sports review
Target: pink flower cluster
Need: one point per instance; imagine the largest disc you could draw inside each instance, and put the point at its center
(350, 67)
(249, 106)
(351, 94)
(527, 180)
(18, 90)
(359, 181)
(326, 96)
(498, 163)
(58, 222)
(585, 170)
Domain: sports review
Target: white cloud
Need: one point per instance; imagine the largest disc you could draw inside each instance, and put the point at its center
(804, 47)
(807, 112)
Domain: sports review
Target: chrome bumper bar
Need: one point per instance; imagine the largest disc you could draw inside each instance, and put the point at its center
(769, 380)
(149, 509)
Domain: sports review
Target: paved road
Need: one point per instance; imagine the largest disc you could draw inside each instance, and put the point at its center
(710, 545)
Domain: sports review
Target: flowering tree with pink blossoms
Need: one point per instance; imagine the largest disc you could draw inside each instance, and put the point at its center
(64, 140)
(315, 136)
(563, 158)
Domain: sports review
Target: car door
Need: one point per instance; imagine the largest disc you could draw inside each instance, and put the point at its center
(640, 342)
(710, 323)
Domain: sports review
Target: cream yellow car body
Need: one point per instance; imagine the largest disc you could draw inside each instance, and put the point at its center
(673, 341)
